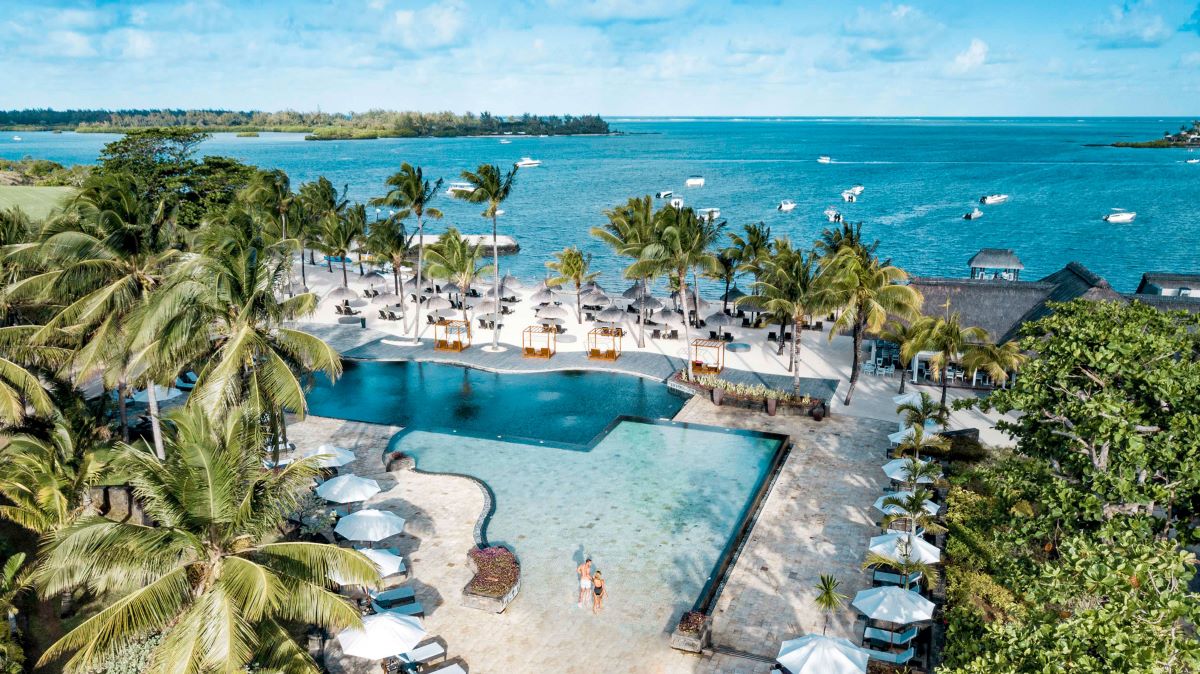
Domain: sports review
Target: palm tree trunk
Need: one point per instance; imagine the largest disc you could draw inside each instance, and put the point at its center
(155, 428)
(903, 376)
(796, 358)
(578, 303)
(360, 266)
(420, 267)
(642, 316)
(725, 297)
(858, 336)
(122, 410)
(945, 364)
(782, 333)
(345, 280)
(687, 334)
(496, 278)
(303, 273)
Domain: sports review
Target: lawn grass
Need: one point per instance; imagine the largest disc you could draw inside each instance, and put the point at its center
(36, 202)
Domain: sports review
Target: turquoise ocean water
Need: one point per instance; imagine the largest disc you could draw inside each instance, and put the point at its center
(920, 176)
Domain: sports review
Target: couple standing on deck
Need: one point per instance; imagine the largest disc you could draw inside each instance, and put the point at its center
(591, 583)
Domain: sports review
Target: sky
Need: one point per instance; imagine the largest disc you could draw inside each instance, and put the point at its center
(608, 57)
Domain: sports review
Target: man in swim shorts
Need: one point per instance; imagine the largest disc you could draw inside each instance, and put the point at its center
(585, 579)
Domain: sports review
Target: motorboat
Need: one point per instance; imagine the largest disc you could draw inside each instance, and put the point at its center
(1120, 216)
(709, 213)
(17, 138)
(505, 141)
(677, 203)
(993, 199)
(849, 197)
(787, 205)
(529, 162)
(975, 214)
(694, 181)
(665, 194)
(832, 215)
(857, 190)
(459, 188)
(824, 159)
(1192, 161)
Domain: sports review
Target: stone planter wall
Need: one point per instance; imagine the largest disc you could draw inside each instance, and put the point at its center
(485, 602)
(693, 642)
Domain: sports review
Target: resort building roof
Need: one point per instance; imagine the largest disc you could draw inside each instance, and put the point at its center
(1169, 284)
(996, 258)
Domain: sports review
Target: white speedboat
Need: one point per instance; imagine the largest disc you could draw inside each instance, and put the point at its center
(849, 197)
(824, 159)
(17, 138)
(975, 214)
(832, 215)
(529, 162)
(857, 190)
(694, 181)
(677, 203)
(665, 194)
(505, 141)
(459, 188)
(993, 199)
(1192, 161)
(709, 213)
(1120, 216)
(787, 205)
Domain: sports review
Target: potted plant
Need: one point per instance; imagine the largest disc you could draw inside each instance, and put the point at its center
(772, 398)
(818, 412)
(497, 579)
(718, 394)
(693, 633)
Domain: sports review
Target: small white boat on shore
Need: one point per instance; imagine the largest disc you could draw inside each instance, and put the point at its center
(694, 181)
(529, 162)
(849, 197)
(975, 214)
(993, 199)
(709, 213)
(665, 194)
(459, 188)
(832, 215)
(676, 203)
(1120, 216)
(787, 205)
(824, 159)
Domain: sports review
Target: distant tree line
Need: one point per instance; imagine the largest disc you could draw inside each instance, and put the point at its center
(369, 124)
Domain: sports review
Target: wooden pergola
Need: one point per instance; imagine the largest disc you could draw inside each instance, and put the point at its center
(539, 341)
(605, 343)
(451, 335)
(708, 356)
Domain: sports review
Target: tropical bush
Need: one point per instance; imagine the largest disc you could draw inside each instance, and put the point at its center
(496, 571)
(746, 391)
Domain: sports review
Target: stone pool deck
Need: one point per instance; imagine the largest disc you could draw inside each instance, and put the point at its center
(815, 520)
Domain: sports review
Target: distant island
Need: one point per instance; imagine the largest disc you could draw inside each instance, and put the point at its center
(1188, 137)
(316, 125)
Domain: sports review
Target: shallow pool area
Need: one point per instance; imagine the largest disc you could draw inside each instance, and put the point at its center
(657, 506)
(564, 407)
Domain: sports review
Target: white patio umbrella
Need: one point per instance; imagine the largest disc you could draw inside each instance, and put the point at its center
(910, 398)
(899, 469)
(437, 302)
(161, 393)
(893, 604)
(382, 635)
(331, 457)
(370, 525)
(900, 546)
(551, 311)
(901, 435)
(348, 489)
(930, 507)
(389, 563)
(611, 315)
(819, 654)
(340, 293)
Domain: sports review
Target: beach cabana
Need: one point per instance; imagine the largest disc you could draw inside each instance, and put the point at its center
(604, 343)
(451, 335)
(539, 341)
(708, 356)
(819, 654)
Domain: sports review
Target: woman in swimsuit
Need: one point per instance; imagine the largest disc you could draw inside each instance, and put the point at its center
(600, 591)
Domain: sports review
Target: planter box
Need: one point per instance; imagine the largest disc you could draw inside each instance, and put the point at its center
(487, 603)
(693, 642)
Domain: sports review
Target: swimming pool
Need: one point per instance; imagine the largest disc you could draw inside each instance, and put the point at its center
(570, 407)
(658, 506)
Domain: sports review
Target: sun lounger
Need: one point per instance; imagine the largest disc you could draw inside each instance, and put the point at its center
(383, 315)
(424, 653)
(891, 638)
(892, 658)
(391, 598)
(889, 578)
(412, 608)
(392, 315)
(452, 668)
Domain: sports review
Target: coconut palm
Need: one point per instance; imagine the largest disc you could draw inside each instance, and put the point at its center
(922, 442)
(950, 340)
(923, 412)
(998, 360)
(683, 243)
(828, 598)
(794, 284)
(726, 272)
(630, 228)
(572, 265)
(316, 201)
(868, 292)
(45, 481)
(906, 567)
(908, 337)
(751, 249)
(910, 509)
(208, 575)
(455, 259)
(492, 186)
(23, 352)
(340, 232)
(914, 470)
(389, 241)
(410, 194)
(13, 580)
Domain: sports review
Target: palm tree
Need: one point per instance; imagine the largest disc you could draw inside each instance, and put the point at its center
(24, 351)
(390, 241)
(208, 575)
(996, 360)
(456, 259)
(682, 243)
(950, 340)
(920, 414)
(316, 201)
(915, 470)
(491, 186)
(910, 509)
(828, 598)
(726, 272)
(752, 250)
(921, 442)
(271, 193)
(795, 284)
(630, 228)
(908, 337)
(868, 292)
(411, 193)
(572, 266)
(46, 480)
(13, 580)
(906, 567)
(340, 232)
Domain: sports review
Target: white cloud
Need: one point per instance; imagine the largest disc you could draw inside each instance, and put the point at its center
(433, 26)
(1129, 26)
(971, 58)
(622, 10)
(890, 32)
(137, 45)
(377, 4)
(1190, 60)
(68, 43)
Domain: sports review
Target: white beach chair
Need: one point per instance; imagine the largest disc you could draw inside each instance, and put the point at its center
(424, 654)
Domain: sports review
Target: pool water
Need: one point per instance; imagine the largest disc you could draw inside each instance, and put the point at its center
(564, 407)
(654, 504)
